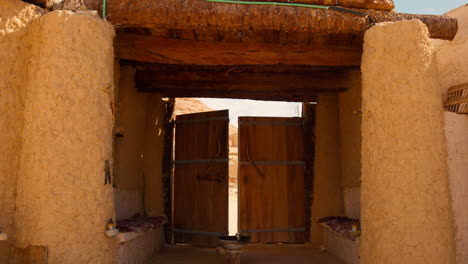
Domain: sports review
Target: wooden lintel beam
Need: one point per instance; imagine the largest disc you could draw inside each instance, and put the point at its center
(172, 51)
(282, 68)
(242, 85)
(202, 15)
(176, 93)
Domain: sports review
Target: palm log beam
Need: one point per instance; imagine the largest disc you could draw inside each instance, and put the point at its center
(201, 15)
(283, 86)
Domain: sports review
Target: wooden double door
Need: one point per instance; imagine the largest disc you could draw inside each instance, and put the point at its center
(271, 179)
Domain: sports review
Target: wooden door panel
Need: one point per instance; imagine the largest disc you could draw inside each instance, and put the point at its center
(262, 136)
(201, 178)
(202, 135)
(271, 179)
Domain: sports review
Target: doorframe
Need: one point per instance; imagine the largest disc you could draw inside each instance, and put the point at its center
(168, 168)
(309, 117)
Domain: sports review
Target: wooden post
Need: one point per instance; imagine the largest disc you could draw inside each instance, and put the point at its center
(167, 167)
(308, 114)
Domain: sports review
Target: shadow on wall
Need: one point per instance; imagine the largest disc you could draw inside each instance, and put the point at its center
(453, 68)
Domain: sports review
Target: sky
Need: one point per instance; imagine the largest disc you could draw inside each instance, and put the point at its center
(263, 108)
(435, 7)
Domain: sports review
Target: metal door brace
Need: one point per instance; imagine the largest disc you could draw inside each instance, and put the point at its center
(253, 163)
(206, 176)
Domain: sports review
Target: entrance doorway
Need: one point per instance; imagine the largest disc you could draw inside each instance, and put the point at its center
(270, 182)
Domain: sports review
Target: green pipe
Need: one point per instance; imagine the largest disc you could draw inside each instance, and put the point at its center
(335, 8)
(104, 9)
(267, 3)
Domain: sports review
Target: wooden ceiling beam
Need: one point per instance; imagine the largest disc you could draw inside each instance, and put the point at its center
(202, 15)
(171, 51)
(276, 86)
(305, 69)
(250, 36)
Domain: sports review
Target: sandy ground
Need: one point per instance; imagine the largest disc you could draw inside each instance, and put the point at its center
(258, 254)
(232, 210)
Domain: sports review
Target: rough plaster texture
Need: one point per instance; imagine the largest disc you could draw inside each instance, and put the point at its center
(328, 194)
(456, 130)
(15, 16)
(139, 149)
(406, 210)
(453, 68)
(62, 202)
(350, 144)
(141, 249)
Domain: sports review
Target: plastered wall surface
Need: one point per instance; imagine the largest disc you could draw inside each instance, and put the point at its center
(15, 16)
(127, 203)
(352, 202)
(350, 132)
(453, 68)
(139, 149)
(62, 202)
(130, 118)
(328, 194)
(350, 144)
(456, 130)
(406, 210)
(153, 155)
